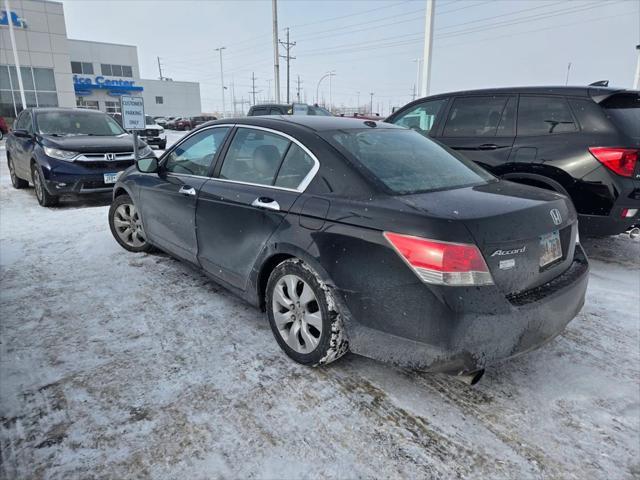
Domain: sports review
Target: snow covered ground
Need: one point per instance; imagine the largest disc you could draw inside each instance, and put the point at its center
(121, 365)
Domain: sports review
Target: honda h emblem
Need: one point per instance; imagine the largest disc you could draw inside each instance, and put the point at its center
(110, 157)
(555, 216)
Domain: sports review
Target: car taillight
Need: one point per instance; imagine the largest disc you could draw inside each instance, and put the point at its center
(441, 263)
(619, 160)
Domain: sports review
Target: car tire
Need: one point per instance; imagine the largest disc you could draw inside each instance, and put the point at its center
(45, 199)
(126, 225)
(303, 315)
(16, 181)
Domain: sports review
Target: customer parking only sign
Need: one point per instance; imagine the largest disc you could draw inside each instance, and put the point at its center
(132, 109)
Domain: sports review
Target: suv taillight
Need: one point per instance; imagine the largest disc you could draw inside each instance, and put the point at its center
(442, 263)
(619, 160)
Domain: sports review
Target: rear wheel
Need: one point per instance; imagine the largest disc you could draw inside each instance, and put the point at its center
(126, 225)
(16, 181)
(303, 316)
(45, 199)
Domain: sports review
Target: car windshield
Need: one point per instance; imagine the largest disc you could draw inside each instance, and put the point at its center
(77, 123)
(407, 162)
(624, 111)
(149, 120)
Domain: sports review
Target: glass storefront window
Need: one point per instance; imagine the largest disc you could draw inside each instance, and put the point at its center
(39, 85)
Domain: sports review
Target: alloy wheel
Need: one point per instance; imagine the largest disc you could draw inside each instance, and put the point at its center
(129, 225)
(297, 314)
(37, 183)
(12, 173)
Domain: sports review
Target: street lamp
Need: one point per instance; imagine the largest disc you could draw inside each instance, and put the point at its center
(221, 77)
(328, 74)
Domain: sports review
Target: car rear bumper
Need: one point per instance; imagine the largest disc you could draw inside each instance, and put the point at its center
(464, 341)
(612, 224)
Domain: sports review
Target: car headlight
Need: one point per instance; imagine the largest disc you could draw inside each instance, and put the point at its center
(145, 152)
(65, 155)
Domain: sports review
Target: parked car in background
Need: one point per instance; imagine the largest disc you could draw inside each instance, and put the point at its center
(68, 152)
(183, 123)
(287, 109)
(199, 120)
(153, 134)
(4, 128)
(582, 142)
(362, 235)
(171, 123)
(162, 121)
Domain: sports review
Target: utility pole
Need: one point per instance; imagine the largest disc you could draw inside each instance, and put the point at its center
(268, 99)
(566, 82)
(636, 80)
(417, 87)
(253, 87)
(221, 78)
(160, 69)
(298, 89)
(288, 57)
(16, 61)
(276, 55)
(430, 13)
(371, 103)
(358, 104)
(233, 96)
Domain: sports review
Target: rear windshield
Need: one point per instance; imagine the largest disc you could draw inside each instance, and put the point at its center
(623, 110)
(77, 123)
(407, 162)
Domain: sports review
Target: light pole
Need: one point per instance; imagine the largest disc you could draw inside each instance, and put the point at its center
(428, 47)
(371, 104)
(328, 74)
(358, 104)
(276, 54)
(221, 77)
(636, 80)
(417, 86)
(566, 82)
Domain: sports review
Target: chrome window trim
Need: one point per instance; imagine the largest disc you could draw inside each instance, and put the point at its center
(302, 186)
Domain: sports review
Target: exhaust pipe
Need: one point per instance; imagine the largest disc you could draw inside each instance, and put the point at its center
(634, 232)
(470, 378)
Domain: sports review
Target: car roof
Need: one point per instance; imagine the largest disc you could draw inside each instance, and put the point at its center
(580, 91)
(63, 109)
(310, 122)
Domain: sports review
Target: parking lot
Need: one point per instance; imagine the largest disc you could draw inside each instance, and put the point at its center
(121, 365)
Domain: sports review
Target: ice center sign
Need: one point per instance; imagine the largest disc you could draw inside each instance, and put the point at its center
(132, 109)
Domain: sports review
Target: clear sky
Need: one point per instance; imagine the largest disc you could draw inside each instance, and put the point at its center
(371, 45)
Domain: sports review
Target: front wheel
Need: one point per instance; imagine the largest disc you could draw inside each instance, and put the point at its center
(126, 225)
(45, 199)
(303, 315)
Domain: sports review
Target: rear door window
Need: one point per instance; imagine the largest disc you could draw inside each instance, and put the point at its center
(539, 115)
(422, 116)
(623, 110)
(475, 116)
(296, 166)
(259, 112)
(254, 156)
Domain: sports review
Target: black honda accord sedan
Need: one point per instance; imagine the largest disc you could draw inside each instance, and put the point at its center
(362, 236)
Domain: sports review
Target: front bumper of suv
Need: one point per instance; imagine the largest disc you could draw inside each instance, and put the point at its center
(80, 178)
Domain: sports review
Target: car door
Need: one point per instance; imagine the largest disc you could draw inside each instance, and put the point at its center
(423, 117)
(169, 198)
(482, 128)
(261, 176)
(23, 146)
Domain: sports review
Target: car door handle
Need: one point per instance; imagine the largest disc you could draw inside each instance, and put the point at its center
(266, 202)
(187, 190)
(488, 146)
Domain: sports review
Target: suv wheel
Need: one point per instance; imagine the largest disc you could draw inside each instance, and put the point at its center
(126, 225)
(303, 316)
(16, 181)
(45, 199)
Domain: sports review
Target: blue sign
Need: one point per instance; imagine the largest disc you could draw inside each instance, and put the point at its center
(16, 20)
(83, 84)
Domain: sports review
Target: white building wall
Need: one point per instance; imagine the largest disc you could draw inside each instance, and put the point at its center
(180, 99)
(42, 44)
(110, 53)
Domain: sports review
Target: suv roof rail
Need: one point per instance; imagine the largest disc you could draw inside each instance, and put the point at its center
(600, 83)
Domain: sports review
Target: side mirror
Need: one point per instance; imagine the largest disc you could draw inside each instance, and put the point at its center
(22, 133)
(148, 165)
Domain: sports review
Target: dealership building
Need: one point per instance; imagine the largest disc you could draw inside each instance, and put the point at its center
(59, 71)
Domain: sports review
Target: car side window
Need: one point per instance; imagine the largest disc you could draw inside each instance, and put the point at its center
(195, 155)
(259, 112)
(475, 116)
(254, 156)
(295, 167)
(421, 117)
(544, 116)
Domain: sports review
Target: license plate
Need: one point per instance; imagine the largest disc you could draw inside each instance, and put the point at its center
(550, 247)
(111, 177)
